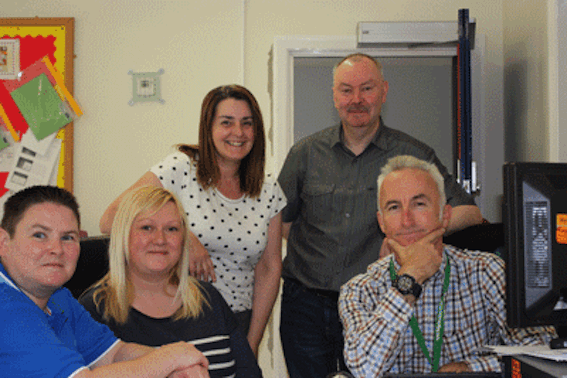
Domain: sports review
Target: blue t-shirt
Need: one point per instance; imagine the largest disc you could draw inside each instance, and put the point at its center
(34, 344)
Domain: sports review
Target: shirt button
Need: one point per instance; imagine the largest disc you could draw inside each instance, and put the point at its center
(347, 215)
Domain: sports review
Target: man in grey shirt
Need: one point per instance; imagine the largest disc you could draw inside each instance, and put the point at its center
(329, 179)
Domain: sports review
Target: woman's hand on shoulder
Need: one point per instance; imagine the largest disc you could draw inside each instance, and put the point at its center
(200, 263)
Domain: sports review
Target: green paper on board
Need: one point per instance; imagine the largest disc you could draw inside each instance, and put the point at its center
(41, 107)
(3, 142)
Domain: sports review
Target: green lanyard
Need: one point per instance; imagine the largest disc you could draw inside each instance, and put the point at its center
(439, 321)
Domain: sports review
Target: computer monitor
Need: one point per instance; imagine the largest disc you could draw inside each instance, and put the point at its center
(535, 231)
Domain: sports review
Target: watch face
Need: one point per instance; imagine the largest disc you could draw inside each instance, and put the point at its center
(405, 283)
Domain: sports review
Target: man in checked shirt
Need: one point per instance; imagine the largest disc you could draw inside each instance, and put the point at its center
(427, 306)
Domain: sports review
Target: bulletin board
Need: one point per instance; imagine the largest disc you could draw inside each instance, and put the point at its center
(40, 37)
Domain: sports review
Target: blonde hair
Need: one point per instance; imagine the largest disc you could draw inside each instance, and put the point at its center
(115, 288)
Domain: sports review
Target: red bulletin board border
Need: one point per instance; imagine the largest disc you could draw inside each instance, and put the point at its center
(33, 48)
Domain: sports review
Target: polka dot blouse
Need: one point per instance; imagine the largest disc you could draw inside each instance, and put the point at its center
(235, 232)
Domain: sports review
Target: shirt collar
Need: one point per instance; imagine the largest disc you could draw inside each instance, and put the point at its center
(337, 136)
(6, 279)
(444, 262)
(381, 139)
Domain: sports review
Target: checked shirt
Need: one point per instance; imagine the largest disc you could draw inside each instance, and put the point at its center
(376, 318)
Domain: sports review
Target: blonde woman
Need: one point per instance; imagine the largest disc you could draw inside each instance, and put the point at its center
(149, 297)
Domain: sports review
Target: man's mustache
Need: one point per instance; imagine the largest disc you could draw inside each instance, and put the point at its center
(357, 109)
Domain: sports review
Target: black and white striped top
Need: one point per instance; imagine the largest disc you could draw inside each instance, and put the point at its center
(214, 333)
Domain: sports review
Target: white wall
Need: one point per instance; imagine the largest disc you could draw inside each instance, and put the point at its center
(557, 41)
(197, 43)
(535, 78)
(526, 85)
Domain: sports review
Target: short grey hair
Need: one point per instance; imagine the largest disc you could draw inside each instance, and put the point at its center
(398, 163)
(357, 57)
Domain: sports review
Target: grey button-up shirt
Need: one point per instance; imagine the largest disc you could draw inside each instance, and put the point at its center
(332, 203)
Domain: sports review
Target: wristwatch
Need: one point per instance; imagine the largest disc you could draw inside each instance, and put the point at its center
(406, 284)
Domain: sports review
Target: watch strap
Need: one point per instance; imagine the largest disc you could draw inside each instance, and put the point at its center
(415, 289)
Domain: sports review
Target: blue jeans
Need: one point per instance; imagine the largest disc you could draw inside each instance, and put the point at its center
(311, 332)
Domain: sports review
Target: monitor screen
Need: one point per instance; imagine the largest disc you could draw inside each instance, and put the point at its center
(535, 230)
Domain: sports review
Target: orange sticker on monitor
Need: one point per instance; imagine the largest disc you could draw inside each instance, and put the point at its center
(561, 233)
(516, 369)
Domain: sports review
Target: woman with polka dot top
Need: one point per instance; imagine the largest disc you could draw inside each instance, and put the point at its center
(234, 210)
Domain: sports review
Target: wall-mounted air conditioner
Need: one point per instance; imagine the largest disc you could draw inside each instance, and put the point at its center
(411, 34)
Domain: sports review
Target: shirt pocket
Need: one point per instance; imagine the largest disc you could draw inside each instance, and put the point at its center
(318, 202)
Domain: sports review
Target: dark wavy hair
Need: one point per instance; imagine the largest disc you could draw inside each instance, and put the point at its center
(251, 169)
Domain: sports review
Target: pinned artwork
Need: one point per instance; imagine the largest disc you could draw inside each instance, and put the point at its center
(9, 59)
(46, 106)
(41, 106)
(37, 108)
(42, 98)
(146, 86)
(33, 50)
